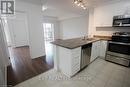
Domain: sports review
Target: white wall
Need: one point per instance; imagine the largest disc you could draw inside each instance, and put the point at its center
(91, 22)
(74, 27)
(36, 40)
(103, 17)
(55, 21)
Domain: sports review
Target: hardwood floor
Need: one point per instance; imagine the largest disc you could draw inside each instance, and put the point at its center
(23, 67)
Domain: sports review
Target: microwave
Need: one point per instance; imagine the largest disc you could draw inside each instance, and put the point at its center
(121, 21)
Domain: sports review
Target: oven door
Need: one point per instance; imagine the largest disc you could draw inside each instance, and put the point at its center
(117, 47)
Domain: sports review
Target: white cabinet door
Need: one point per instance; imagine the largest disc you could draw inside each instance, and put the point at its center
(106, 19)
(75, 60)
(98, 49)
(95, 50)
(103, 49)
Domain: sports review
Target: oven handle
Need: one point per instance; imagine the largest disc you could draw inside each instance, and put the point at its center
(119, 43)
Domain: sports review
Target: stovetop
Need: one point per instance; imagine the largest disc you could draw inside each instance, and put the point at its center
(121, 34)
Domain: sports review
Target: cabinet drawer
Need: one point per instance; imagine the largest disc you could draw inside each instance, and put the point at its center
(118, 60)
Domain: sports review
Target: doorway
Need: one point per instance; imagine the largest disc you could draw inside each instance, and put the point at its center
(48, 37)
(18, 28)
(48, 32)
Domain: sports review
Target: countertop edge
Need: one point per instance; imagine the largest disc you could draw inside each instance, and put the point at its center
(97, 39)
(65, 46)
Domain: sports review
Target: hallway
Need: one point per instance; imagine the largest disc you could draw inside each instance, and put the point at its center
(23, 67)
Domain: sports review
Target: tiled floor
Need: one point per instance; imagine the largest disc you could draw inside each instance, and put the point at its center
(100, 73)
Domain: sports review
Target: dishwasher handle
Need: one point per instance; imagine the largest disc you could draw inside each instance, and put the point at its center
(87, 46)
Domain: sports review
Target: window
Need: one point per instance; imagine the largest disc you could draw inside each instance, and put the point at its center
(48, 31)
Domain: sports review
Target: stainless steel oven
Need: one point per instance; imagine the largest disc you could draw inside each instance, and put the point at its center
(118, 47)
(119, 50)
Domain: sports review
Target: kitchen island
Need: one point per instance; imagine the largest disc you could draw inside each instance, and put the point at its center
(68, 53)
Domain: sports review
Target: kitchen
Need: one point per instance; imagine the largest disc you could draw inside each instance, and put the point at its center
(108, 39)
(78, 53)
(85, 48)
(91, 46)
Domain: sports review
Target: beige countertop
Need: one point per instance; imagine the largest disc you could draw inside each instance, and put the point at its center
(76, 42)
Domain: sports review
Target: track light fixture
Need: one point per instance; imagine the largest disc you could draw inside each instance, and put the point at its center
(80, 3)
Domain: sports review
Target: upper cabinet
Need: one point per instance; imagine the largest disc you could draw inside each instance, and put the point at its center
(102, 19)
(103, 15)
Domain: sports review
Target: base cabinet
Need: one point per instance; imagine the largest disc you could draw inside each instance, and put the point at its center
(99, 49)
(69, 60)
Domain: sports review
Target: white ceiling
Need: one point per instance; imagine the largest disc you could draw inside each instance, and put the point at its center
(60, 14)
(67, 8)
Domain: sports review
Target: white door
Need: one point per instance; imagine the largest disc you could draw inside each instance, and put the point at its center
(18, 27)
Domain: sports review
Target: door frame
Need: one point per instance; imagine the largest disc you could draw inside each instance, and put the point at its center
(52, 25)
(4, 53)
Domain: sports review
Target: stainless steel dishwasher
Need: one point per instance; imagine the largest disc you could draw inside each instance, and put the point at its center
(85, 55)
